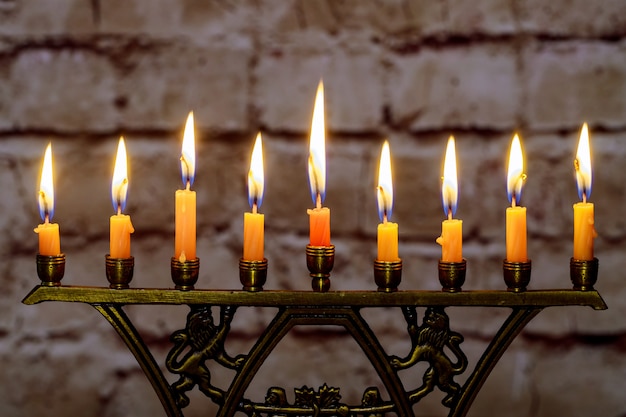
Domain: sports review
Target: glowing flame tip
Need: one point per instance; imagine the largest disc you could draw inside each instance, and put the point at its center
(119, 184)
(46, 187)
(188, 154)
(256, 181)
(317, 148)
(516, 175)
(449, 186)
(385, 184)
(582, 164)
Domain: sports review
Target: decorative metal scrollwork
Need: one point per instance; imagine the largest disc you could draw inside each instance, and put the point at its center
(428, 343)
(201, 340)
(310, 403)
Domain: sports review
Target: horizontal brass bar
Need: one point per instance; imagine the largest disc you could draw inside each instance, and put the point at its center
(279, 298)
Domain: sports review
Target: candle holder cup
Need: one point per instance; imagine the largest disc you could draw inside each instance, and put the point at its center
(252, 274)
(516, 275)
(50, 269)
(320, 261)
(583, 274)
(452, 275)
(185, 274)
(119, 271)
(387, 275)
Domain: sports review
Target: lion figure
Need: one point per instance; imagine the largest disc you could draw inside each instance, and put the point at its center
(428, 343)
(201, 340)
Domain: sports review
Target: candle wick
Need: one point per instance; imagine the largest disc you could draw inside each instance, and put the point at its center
(385, 217)
(449, 213)
(119, 209)
(318, 201)
(188, 187)
(46, 217)
(254, 207)
(513, 201)
(584, 197)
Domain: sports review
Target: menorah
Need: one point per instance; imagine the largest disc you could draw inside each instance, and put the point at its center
(202, 338)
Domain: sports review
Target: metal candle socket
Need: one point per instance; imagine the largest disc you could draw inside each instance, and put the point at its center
(119, 271)
(387, 275)
(516, 275)
(252, 274)
(185, 274)
(320, 261)
(50, 269)
(583, 274)
(452, 275)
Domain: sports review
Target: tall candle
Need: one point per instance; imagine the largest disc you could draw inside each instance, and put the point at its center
(451, 239)
(387, 232)
(584, 230)
(319, 217)
(516, 247)
(253, 223)
(49, 240)
(119, 224)
(185, 238)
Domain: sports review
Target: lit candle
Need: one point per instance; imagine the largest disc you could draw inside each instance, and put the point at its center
(451, 239)
(319, 217)
(253, 223)
(49, 241)
(120, 225)
(387, 231)
(185, 240)
(516, 250)
(584, 230)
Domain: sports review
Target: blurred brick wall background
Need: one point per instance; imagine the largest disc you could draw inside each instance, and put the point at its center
(80, 73)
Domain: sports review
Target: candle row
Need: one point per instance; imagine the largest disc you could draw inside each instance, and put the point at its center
(319, 216)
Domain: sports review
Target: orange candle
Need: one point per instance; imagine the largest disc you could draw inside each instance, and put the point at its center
(319, 217)
(49, 241)
(387, 232)
(584, 229)
(451, 239)
(253, 223)
(120, 225)
(516, 247)
(185, 238)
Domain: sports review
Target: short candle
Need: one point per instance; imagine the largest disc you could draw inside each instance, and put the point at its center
(584, 228)
(387, 232)
(49, 240)
(120, 224)
(319, 217)
(451, 239)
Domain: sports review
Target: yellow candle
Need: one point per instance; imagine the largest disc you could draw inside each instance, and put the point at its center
(387, 232)
(120, 225)
(516, 247)
(584, 230)
(49, 241)
(319, 217)
(319, 226)
(388, 242)
(185, 238)
(253, 223)
(120, 230)
(451, 239)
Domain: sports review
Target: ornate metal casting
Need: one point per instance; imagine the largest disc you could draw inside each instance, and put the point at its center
(202, 340)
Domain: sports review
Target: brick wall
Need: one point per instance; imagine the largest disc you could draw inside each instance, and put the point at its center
(80, 73)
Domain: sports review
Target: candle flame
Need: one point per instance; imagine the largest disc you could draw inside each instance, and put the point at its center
(516, 175)
(188, 155)
(450, 186)
(46, 187)
(256, 182)
(385, 184)
(582, 165)
(119, 184)
(317, 149)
